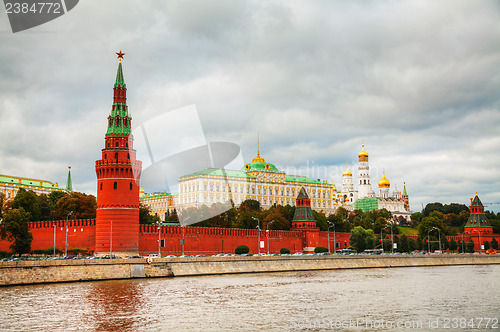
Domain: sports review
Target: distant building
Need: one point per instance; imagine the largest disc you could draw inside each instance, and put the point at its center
(9, 185)
(258, 180)
(159, 204)
(365, 198)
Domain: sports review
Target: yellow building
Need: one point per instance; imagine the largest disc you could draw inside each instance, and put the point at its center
(258, 180)
(9, 185)
(159, 204)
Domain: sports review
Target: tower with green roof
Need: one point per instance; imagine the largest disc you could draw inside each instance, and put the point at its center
(303, 220)
(69, 183)
(118, 174)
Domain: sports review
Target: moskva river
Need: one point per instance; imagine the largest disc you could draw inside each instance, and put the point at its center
(431, 298)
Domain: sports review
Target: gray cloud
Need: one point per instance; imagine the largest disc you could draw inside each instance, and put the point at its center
(417, 80)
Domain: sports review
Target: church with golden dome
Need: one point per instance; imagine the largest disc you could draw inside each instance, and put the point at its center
(365, 198)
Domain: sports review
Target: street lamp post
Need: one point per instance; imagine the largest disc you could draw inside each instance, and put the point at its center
(182, 241)
(334, 240)
(392, 241)
(258, 238)
(382, 241)
(267, 235)
(433, 228)
(462, 243)
(111, 238)
(428, 242)
(258, 235)
(159, 239)
(66, 242)
(328, 233)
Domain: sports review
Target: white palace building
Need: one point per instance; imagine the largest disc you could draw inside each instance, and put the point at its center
(265, 183)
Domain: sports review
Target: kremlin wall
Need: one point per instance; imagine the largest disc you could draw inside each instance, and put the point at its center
(116, 228)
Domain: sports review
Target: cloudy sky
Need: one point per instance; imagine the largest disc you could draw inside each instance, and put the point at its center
(419, 81)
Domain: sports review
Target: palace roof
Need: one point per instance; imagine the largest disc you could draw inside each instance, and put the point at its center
(14, 180)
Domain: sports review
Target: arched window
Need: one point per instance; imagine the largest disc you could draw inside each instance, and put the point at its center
(105, 156)
(116, 154)
(115, 185)
(101, 186)
(128, 155)
(130, 185)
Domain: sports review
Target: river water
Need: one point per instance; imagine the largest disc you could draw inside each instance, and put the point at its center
(424, 298)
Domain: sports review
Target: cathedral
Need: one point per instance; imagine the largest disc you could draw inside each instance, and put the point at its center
(366, 199)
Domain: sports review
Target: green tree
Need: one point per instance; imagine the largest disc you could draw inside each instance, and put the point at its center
(470, 247)
(420, 244)
(416, 217)
(494, 244)
(29, 202)
(284, 251)
(251, 204)
(403, 245)
(486, 245)
(3, 204)
(341, 220)
(54, 197)
(433, 207)
(242, 249)
(320, 249)
(412, 244)
(145, 216)
(15, 228)
(361, 239)
(320, 221)
(45, 208)
(83, 206)
(428, 223)
(172, 217)
(453, 246)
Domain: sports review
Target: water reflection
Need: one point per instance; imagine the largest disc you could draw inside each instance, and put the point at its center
(114, 305)
(251, 302)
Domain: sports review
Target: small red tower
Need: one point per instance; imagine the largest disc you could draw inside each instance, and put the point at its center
(118, 173)
(304, 221)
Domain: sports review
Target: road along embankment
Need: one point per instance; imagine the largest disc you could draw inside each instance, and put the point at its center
(51, 271)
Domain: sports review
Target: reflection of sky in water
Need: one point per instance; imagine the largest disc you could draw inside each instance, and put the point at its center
(254, 301)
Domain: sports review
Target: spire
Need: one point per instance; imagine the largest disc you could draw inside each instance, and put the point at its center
(119, 75)
(69, 184)
(119, 122)
(404, 190)
(258, 159)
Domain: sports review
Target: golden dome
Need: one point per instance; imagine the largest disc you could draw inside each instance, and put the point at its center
(347, 171)
(363, 153)
(384, 183)
(258, 159)
(141, 191)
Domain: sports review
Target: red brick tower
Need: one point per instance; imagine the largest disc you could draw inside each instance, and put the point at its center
(304, 221)
(118, 174)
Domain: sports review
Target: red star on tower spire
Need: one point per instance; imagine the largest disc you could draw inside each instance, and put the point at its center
(120, 55)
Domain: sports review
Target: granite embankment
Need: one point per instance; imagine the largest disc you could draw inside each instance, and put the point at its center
(34, 272)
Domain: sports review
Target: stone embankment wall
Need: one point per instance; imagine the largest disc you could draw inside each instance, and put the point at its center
(35, 272)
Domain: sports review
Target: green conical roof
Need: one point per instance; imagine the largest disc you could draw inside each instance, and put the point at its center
(119, 121)
(119, 76)
(477, 219)
(69, 183)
